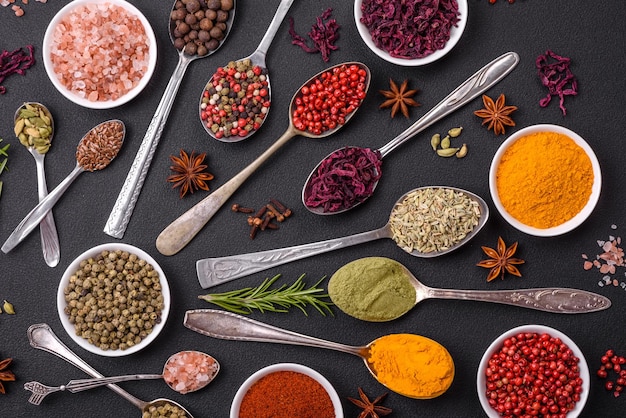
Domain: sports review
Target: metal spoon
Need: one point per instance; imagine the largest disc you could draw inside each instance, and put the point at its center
(40, 390)
(214, 271)
(182, 230)
(36, 215)
(478, 83)
(258, 59)
(549, 299)
(47, 228)
(126, 200)
(229, 326)
(41, 337)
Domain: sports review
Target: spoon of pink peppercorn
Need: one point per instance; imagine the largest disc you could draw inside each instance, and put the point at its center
(348, 176)
(237, 98)
(184, 372)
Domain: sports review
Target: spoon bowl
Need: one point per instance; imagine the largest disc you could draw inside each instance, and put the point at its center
(182, 230)
(47, 228)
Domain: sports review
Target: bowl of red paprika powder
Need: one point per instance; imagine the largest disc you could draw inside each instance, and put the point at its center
(532, 359)
(286, 390)
(545, 180)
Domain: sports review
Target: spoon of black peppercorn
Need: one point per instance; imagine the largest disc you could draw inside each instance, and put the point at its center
(478, 83)
(194, 36)
(253, 114)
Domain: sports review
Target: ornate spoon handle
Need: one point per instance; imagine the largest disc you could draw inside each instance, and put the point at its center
(551, 299)
(47, 228)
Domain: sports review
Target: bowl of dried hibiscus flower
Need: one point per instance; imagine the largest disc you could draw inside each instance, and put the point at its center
(413, 32)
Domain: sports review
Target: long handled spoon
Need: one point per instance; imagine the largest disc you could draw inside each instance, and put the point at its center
(41, 337)
(126, 200)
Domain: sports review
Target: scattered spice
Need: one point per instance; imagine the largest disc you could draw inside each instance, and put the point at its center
(501, 261)
(263, 218)
(544, 179)
(344, 179)
(410, 28)
(555, 74)
(17, 10)
(496, 114)
(33, 127)
(267, 299)
(443, 146)
(371, 409)
(235, 100)
(198, 27)
(6, 375)
(8, 307)
(433, 219)
(286, 394)
(188, 371)
(611, 363)
(100, 145)
(329, 100)
(545, 365)
(16, 62)
(399, 99)
(189, 172)
(411, 365)
(323, 33)
(611, 257)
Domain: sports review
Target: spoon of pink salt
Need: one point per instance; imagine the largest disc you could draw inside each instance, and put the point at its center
(184, 372)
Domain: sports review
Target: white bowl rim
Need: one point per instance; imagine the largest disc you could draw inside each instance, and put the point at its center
(456, 32)
(107, 104)
(69, 328)
(294, 367)
(576, 220)
(539, 329)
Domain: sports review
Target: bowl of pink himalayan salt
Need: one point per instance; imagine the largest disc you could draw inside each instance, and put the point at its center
(99, 54)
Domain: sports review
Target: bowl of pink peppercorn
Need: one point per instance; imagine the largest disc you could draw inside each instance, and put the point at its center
(99, 54)
(533, 370)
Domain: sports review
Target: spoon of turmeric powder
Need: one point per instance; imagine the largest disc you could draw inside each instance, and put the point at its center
(410, 365)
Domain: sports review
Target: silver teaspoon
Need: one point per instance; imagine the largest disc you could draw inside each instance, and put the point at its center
(126, 200)
(202, 374)
(478, 83)
(41, 337)
(47, 228)
(257, 58)
(214, 271)
(349, 283)
(95, 151)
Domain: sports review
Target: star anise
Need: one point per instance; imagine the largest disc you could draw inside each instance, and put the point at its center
(371, 409)
(496, 114)
(189, 172)
(501, 261)
(5, 374)
(399, 99)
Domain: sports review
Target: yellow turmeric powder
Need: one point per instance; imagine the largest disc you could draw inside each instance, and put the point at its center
(411, 365)
(544, 179)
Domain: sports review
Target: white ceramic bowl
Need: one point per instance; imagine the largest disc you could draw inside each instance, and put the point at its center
(576, 220)
(455, 34)
(47, 43)
(74, 266)
(481, 380)
(291, 367)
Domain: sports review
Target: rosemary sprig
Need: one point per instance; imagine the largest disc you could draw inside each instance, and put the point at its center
(3, 164)
(279, 299)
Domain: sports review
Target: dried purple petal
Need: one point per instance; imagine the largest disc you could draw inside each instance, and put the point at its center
(345, 178)
(323, 34)
(410, 28)
(16, 62)
(555, 74)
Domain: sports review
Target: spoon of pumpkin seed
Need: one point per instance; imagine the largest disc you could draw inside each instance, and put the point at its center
(34, 127)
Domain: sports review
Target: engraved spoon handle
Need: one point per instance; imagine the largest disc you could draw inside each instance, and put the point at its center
(126, 200)
(550, 299)
(214, 271)
(41, 337)
(478, 83)
(258, 56)
(47, 228)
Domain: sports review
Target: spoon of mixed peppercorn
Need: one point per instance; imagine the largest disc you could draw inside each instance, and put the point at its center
(237, 98)
(326, 115)
(348, 176)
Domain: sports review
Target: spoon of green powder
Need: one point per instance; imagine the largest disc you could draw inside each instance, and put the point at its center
(379, 289)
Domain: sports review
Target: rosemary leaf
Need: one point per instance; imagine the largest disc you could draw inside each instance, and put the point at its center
(264, 298)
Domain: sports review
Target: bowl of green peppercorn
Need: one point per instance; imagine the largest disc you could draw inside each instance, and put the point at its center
(113, 299)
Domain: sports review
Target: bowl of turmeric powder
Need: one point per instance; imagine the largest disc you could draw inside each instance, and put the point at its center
(545, 180)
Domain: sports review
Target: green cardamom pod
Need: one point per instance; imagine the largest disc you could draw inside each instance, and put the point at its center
(434, 141)
(445, 142)
(8, 308)
(454, 132)
(447, 152)
(462, 152)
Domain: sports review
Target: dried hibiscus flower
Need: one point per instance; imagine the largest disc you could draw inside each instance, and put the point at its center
(555, 74)
(16, 62)
(323, 34)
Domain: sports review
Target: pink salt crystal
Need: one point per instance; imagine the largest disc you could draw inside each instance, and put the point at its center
(188, 371)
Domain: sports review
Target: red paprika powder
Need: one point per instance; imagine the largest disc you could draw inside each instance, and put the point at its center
(286, 394)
